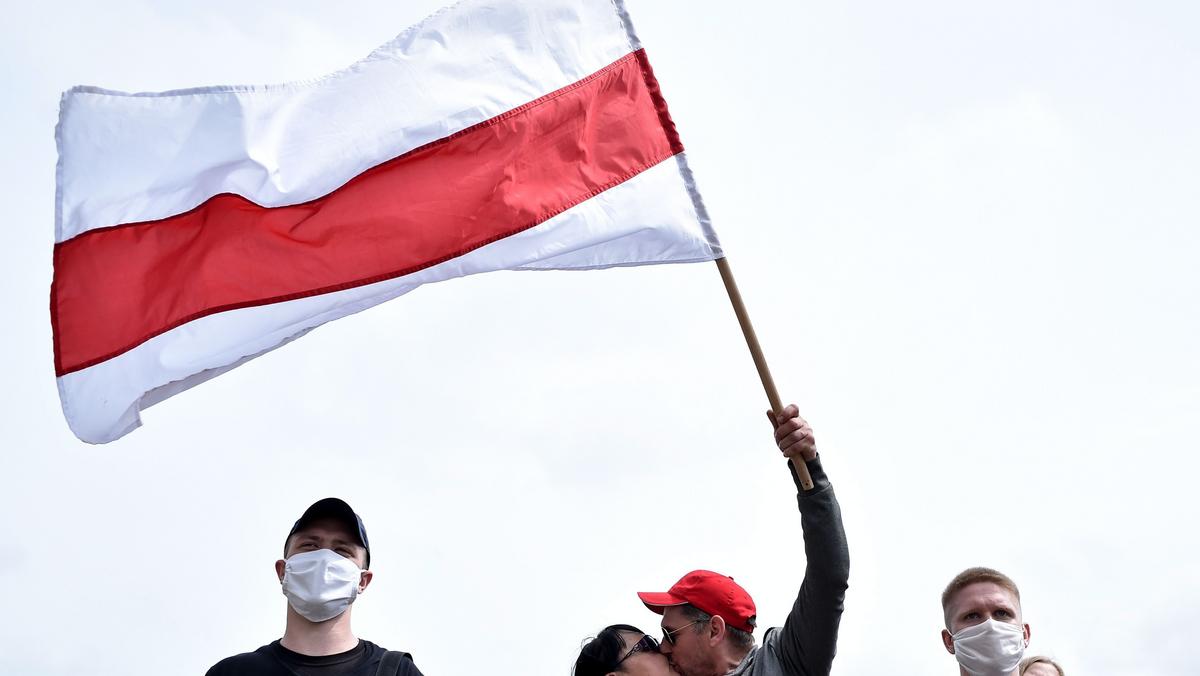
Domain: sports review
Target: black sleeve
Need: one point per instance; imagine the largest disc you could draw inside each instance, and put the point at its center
(808, 640)
(409, 668)
(221, 668)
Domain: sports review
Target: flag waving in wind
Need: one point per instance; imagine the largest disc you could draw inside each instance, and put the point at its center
(197, 229)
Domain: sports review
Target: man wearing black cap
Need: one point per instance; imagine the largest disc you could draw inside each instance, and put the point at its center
(709, 620)
(325, 567)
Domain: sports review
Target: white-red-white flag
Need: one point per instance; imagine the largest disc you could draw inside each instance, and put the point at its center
(199, 228)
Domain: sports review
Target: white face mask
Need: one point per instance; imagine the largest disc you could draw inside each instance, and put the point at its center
(321, 584)
(990, 648)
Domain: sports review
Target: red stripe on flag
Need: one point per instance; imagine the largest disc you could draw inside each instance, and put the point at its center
(115, 288)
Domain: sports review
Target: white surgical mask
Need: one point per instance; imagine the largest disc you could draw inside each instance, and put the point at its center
(990, 648)
(321, 584)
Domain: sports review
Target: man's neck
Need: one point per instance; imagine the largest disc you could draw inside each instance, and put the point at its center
(729, 660)
(318, 638)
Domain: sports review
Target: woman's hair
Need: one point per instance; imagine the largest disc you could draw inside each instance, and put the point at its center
(600, 655)
(1030, 661)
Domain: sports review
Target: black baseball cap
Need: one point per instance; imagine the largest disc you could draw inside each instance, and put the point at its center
(337, 509)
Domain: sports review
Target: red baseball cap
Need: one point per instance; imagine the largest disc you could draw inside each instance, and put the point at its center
(714, 593)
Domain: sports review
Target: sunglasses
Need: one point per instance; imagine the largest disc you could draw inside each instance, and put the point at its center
(647, 644)
(669, 634)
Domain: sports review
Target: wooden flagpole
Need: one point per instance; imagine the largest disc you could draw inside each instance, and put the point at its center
(760, 362)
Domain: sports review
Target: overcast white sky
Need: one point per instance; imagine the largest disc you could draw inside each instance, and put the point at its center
(968, 236)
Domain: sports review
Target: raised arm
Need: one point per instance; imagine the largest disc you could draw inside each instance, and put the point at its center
(808, 640)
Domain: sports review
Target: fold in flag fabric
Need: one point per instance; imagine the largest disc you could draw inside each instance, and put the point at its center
(197, 229)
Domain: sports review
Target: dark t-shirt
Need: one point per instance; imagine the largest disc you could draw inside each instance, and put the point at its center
(275, 660)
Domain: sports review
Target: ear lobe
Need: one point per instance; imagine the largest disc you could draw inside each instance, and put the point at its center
(948, 641)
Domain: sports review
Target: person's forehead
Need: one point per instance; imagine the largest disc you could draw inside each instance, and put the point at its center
(1041, 669)
(987, 594)
(327, 528)
(672, 616)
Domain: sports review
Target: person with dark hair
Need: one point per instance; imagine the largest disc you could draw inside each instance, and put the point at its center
(984, 627)
(709, 620)
(325, 566)
(621, 649)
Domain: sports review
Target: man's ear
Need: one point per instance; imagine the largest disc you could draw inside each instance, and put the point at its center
(948, 641)
(365, 580)
(1027, 635)
(279, 566)
(716, 630)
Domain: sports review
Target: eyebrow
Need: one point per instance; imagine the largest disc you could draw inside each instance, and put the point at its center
(336, 541)
(987, 609)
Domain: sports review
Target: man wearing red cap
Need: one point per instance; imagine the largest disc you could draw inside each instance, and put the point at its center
(708, 619)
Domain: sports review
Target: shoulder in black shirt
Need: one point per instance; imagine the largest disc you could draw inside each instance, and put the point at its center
(275, 660)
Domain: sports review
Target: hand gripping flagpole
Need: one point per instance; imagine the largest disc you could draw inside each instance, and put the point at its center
(760, 362)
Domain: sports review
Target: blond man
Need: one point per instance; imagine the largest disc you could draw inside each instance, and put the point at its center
(1041, 666)
(984, 628)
